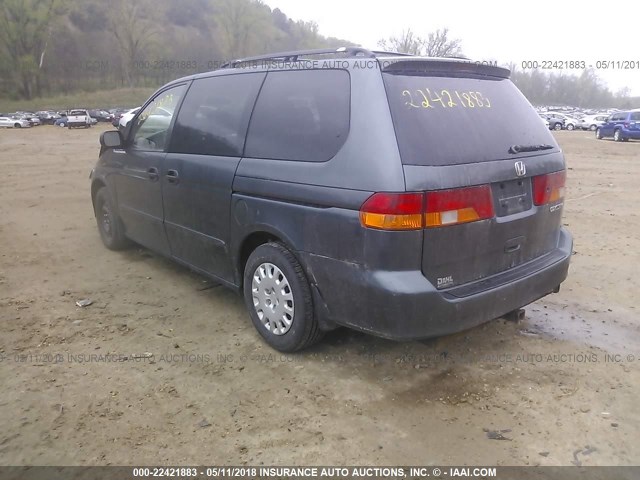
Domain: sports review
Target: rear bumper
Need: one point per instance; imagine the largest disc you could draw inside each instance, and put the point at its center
(404, 305)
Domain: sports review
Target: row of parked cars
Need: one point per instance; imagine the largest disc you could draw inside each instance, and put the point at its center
(619, 125)
(66, 118)
(563, 121)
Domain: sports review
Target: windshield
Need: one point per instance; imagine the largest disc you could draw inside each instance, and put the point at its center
(432, 114)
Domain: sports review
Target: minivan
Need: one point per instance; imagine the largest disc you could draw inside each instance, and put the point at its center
(402, 196)
(621, 126)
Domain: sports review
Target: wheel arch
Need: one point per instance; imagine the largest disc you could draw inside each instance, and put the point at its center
(96, 185)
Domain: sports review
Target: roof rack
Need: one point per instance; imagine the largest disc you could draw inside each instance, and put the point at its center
(293, 55)
(396, 54)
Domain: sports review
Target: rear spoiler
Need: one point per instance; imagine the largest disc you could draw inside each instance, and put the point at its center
(441, 67)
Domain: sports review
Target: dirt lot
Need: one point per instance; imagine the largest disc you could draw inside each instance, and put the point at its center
(213, 393)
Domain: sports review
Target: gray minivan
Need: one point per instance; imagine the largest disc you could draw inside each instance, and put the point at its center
(403, 196)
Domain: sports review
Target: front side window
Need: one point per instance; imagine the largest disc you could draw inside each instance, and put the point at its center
(151, 128)
(301, 115)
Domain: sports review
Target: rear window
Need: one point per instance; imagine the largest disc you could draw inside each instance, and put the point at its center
(443, 120)
(300, 115)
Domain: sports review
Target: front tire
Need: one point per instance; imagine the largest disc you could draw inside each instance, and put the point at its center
(570, 127)
(557, 126)
(278, 297)
(593, 128)
(109, 223)
(17, 125)
(598, 134)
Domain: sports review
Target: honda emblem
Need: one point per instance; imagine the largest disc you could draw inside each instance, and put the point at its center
(521, 170)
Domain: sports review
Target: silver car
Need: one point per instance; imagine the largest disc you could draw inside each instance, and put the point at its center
(8, 122)
(592, 122)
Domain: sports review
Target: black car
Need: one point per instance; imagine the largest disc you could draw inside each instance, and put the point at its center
(555, 123)
(406, 197)
(101, 115)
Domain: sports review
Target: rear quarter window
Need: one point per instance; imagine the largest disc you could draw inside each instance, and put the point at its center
(300, 115)
(441, 120)
(635, 117)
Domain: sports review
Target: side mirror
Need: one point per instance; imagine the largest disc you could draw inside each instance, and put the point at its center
(111, 139)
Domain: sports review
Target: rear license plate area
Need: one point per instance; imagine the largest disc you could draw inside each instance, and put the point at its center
(512, 196)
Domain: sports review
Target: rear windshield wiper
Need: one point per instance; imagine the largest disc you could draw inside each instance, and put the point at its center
(528, 148)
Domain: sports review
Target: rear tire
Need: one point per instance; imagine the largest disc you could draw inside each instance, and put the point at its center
(593, 128)
(17, 125)
(557, 126)
(598, 134)
(278, 297)
(570, 127)
(109, 223)
(617, 135)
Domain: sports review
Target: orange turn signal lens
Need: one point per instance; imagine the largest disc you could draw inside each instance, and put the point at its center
(393, 211)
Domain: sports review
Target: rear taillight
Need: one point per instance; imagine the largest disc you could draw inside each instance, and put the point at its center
(393, 211)
(458, 205)
(548, 188)
(413, 211)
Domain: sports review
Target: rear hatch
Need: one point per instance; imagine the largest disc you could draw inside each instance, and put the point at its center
(493, 173)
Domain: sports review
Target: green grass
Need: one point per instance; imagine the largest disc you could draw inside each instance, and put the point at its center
(123, 97)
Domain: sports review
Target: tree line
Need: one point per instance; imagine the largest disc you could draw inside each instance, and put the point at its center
(62, 46)
(52, 47)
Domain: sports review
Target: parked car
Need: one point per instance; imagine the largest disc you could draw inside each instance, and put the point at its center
(554, 122)
(569, 123)
(34, 120)
(126, 117)
(31, 119)
(62, 121)
(338, 197)
(592, 122)
(101, 115)
(621, 126)
(78, 118)
(116, 113)
(11, 122)
(47, 117)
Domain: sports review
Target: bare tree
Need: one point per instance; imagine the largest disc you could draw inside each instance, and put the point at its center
(407, 42)
(133, 29)
(243, 25)
(438, 44)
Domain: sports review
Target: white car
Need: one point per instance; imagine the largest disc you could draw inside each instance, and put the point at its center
(8, 122)
(127, 116)
(592, 122)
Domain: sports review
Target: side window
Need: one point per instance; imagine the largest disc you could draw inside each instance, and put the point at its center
(635, 117)
(301, 115)
(215, 114)
(151, 128)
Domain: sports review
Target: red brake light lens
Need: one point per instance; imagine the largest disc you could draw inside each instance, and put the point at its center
(549, 188)
(413, 211)
(393, 211)
(458, 205)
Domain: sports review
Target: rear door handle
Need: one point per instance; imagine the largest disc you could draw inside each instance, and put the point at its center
(172, 176)
(152, 173)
